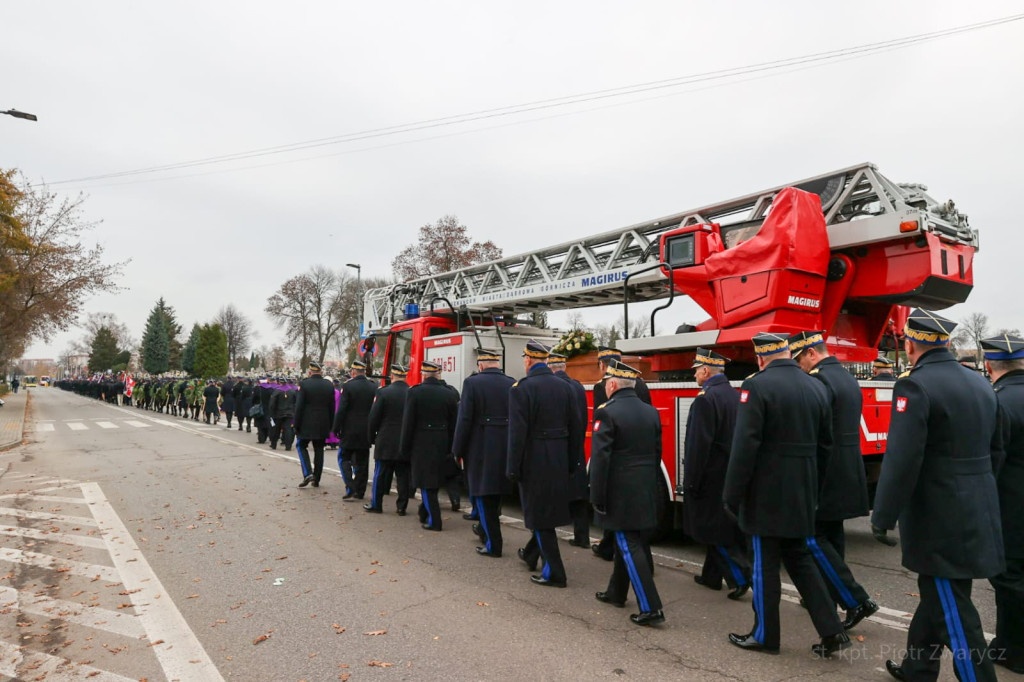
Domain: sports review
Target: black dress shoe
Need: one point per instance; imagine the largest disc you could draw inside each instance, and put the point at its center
(748, 642)
(738, 592)
(831, 644)
(596, 548)
(287, 448)
(316, 484)
(306, 481)
(373, 510)
(532, 565)
(273, 446)
(648, 617)
(483, 551)
(470, 517)
(478, 529)
(859, 613)
(400, 512)
(427, 526)
(895, 670)
(456, 507)
(699, 579)
(348, 496)
(603, 597)
(582, 543)
(546, 582)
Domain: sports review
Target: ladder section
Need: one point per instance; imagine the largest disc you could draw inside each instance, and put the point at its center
(860, 206)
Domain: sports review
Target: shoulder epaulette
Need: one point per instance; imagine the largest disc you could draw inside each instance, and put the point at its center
(814, 371)
(699, 394)
(607, 402)
(905, 374)
(515, 384)
(751, 376)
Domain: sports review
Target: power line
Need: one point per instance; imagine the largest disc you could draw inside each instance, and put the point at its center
(841, 54)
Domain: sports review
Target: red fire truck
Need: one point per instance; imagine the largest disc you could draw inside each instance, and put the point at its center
(846, 252)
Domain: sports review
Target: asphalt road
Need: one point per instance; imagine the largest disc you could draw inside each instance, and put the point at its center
(136, 545)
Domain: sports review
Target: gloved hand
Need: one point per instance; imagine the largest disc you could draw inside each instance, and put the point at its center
(882, 535)
(731, 513)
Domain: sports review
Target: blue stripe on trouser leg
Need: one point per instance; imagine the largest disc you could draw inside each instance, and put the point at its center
(303, 456)
(375, 495)
(830, 573)
(957, 638)
(634, 575)
(478, 504)
(546, 571)
(426, 505)
(737, 574)
(758, 590)
(344, 474)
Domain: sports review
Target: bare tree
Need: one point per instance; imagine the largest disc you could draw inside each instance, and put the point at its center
(969, 333)
(237, 327)
(442, 247)
(96, 321)
(277, 358)
(290, 308)
(314, 308)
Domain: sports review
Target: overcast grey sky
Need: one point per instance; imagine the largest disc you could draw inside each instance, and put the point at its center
(124, 85)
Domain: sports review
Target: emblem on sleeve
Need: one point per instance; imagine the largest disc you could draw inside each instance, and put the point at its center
(597, 426)
(744, 395)
(901, 404)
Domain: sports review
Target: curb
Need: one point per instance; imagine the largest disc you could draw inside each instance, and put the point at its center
(9, 445)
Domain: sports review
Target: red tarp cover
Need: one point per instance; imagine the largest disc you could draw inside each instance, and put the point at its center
(794, 214)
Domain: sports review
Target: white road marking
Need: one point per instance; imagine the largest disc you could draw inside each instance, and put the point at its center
(18, 556)
(118, 622)
(106, 425)
(159, 616)
(45, 666)
(45, 516)
(44, 428)
(45, 536)
(138, 425)
(77, 426)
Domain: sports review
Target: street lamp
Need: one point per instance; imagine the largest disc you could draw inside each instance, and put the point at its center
(20, 114)
(359, 292)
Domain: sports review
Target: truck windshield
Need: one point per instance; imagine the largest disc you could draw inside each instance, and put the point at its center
(401, 347)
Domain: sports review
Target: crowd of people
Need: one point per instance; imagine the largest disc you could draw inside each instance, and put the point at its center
(772, 472)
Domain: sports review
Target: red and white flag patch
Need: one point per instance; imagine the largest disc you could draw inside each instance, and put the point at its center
(597, 426)
(901, 404)
(744, 395)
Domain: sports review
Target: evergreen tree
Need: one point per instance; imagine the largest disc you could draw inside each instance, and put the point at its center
(156, 343)
(175, 348)
(188, 355)
(103, 354)
(211, 352)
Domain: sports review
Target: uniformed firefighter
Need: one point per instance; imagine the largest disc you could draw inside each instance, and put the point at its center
(625, 468)
(428, 426)
(708, 441)
(844, 492)
(1004, 362)
(481, 442)
(780, 449)
(385, 432)
(351, 426)
(579, 488)
(543, 451)
(314, 411)
(882, 369)
(937, 480)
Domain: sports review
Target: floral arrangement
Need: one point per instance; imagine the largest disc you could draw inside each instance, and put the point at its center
(575, 342)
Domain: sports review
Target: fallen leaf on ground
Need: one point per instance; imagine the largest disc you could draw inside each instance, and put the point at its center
(192, 596)
(912, 594)
(379, 664)
(859, 638)
(482, 603)
(376, 632)
(261, 638)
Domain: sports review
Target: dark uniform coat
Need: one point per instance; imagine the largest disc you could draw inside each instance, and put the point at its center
(314, 408)
(350, 423)
(579, 488)
(385, 432)
(227, 390)
(625, 463)
(543, 442)
(844, 494)
(1010, 478)
(282, 404)
(780, 451)
(481, 433)
(601, 396)
(243, 398)
(709, 428)
(211, 393)
(937, 475)
(428, 427)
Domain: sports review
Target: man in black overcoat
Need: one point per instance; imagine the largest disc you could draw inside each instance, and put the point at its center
(882, 369)
(708, 440)
(351, 426)
(481, 442)
(1004, 362)
(780, 450)
(607, 357)
(210, 408)
(428, 426)
(314, 409)
(261, 395)
(543, 447)
(227, 392)
(385, 433)
(625, 467)
(937, 480)
(579, 486)
(844, 493)
(282, 410)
